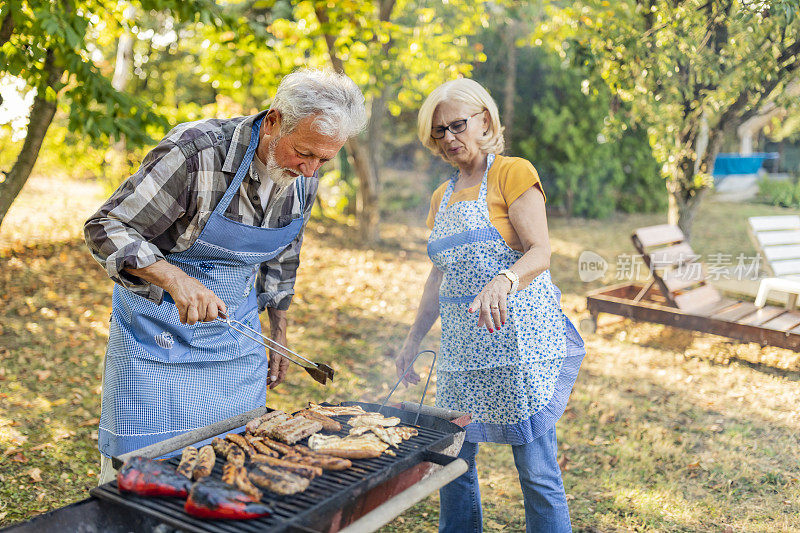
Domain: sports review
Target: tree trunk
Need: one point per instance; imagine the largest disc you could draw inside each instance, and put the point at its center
(6, 29)
(41, 116)
(510, 85)
(116, 166)
(683, 203)
(368, 213)
(367, 206)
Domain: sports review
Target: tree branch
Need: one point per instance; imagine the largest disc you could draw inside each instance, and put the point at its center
(6, 29)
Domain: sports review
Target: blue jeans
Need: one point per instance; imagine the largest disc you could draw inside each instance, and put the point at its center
(546, 509)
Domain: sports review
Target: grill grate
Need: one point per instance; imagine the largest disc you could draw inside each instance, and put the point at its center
(325, 493)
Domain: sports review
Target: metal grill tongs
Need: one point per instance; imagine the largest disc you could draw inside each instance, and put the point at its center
(320, 372)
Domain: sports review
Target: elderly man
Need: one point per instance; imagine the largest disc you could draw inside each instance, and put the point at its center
(209, 226)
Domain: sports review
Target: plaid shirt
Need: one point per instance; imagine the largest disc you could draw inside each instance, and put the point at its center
(164, 206)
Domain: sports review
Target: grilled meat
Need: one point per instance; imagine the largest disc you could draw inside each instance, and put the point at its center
(241, 442)
(294, 429)
(336, 410)
(326, 462)
(148, 477)
(300, 468)
(220, 446)
(283, 449)
(236, 455)
(328, 424)
(351, 447)
(373, 419)
(391, 435)
(276, 480)
(260, 447)
(205, 462)
(188, 460)
(252, 426)
(210, 498)
(237, 476)
(265, 427)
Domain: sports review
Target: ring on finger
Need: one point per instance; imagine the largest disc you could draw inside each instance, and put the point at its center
(495, 306)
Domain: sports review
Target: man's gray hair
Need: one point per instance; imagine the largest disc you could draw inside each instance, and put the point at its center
(333, 98)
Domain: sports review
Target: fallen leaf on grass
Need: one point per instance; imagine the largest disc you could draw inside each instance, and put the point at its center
(40, 496)
(3, 514)
(19, 458)
(41, 446)
(35, 474)
(90, 422)
(693, 466)
(563, 462)
(42, 375)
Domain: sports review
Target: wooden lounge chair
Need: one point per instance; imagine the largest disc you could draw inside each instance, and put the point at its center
(777, 240)
(679, 295)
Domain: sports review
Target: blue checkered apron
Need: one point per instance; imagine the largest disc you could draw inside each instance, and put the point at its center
(163, 378)
(516, 380)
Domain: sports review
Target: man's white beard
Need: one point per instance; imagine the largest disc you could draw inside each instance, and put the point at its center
(279, 176)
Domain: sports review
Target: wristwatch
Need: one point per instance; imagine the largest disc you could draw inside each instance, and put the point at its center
(513, 278)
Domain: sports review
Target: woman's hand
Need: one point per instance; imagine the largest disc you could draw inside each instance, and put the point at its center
(490, 304)
(404, 358)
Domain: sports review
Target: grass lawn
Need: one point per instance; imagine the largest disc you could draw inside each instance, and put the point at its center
(665, 431)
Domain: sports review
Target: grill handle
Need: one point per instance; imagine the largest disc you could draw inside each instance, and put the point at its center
(391, 509)
(406, 371)
(196, 435)
(439, 412)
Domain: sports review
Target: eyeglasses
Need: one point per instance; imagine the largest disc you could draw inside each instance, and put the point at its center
(457, 126)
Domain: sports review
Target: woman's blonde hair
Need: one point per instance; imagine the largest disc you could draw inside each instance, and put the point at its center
(473, 94)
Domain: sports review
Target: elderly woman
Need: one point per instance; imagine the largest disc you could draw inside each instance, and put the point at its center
(508, 355)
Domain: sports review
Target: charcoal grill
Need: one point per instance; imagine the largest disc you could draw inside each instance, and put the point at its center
(322, 503)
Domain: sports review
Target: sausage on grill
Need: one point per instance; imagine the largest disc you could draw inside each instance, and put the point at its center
(277, 481)
(260, 447)
(188, 460)
(283, 449)
(205, 462)
(235, 455)
(326, 462)
(241, 442)
(221, 446)
(237, 476)
(301, 469)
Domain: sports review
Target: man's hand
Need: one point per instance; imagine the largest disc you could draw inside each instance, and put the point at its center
(277, 363)
(195, 302)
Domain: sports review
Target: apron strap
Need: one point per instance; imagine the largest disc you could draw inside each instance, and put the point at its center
(485, 180)
(300, 191)
(244, 166)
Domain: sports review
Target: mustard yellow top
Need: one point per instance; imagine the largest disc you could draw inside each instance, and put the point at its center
(508, 178)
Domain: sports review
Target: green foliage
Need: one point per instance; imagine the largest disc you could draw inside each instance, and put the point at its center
(679, 66)
(783, 193)
(67, 33)
(559, 126)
